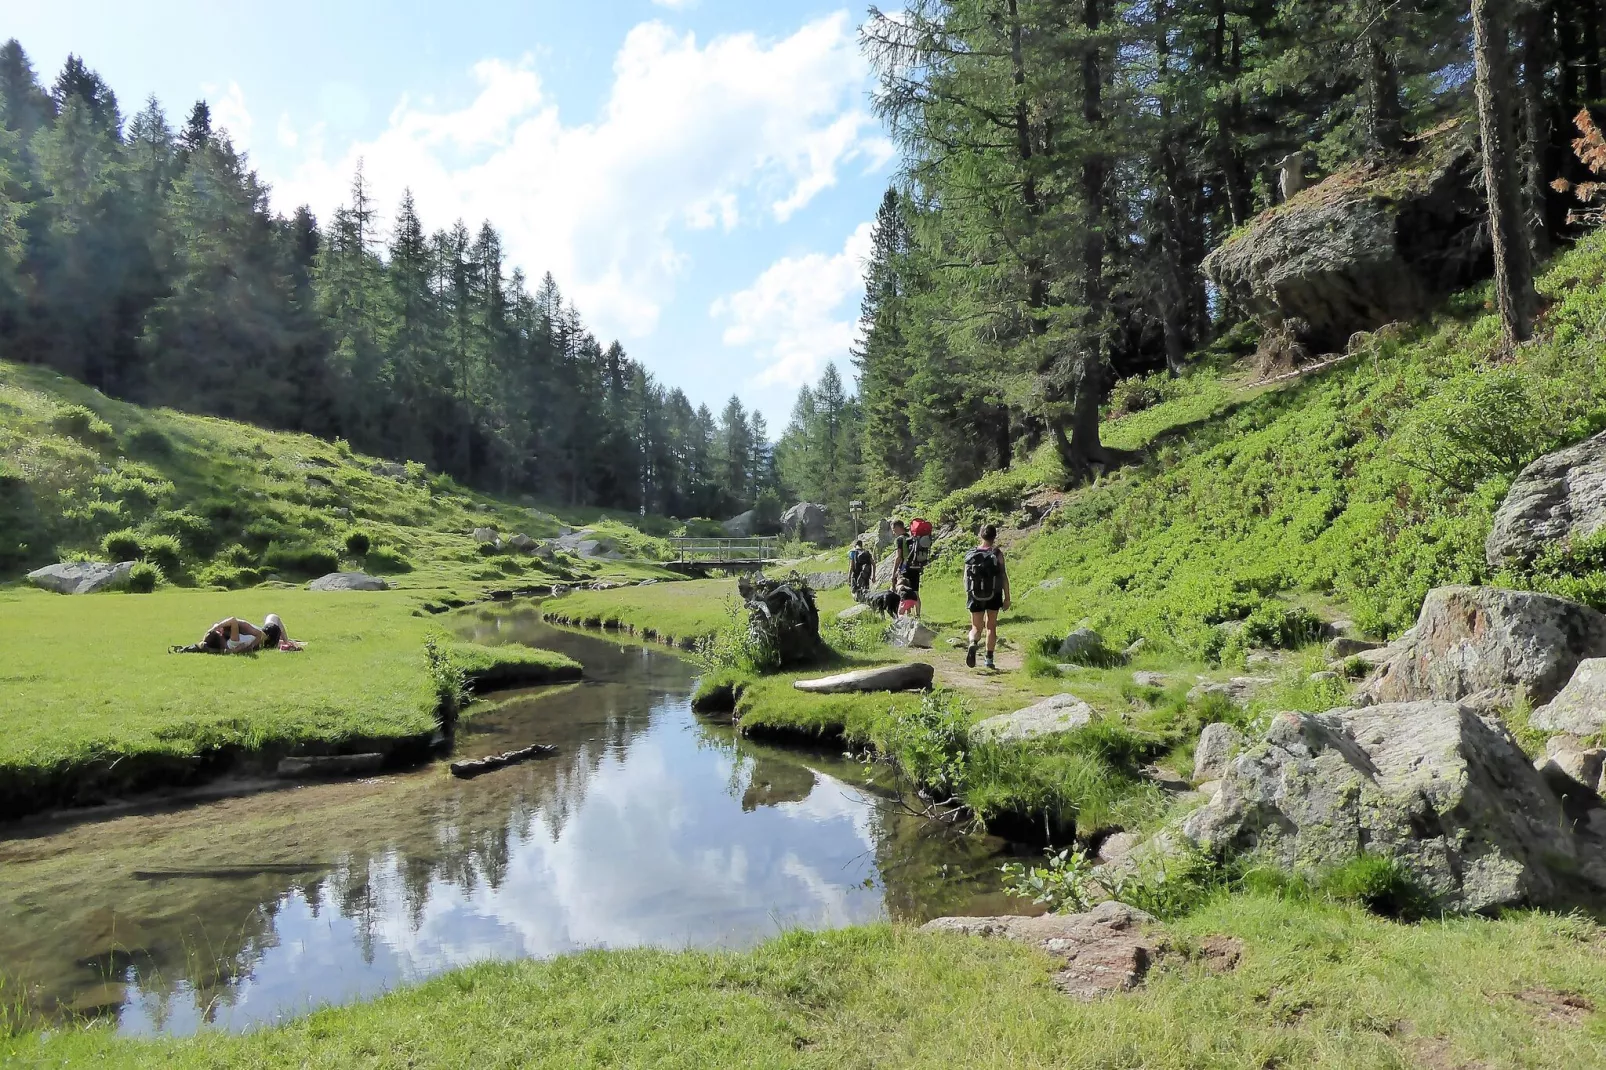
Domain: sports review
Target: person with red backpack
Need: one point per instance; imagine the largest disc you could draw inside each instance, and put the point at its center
(986, 592)
(914, 554)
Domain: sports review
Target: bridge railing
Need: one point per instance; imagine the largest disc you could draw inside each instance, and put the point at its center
(759, 550)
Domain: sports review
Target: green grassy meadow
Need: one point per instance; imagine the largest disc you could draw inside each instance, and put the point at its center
(678, 613)
(87, 682)
(1319, 986)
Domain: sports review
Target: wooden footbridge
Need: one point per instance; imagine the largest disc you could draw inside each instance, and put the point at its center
(697, 557)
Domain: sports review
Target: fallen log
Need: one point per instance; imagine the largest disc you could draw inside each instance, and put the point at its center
(472, 767)
(330, 765)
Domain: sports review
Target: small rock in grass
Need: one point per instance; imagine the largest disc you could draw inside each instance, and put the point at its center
(1062, 713)
(1347, 647)
(1239, 690)
(1150, 679)
(1084, 645)
(910, 676)
(854, 612)
(1135, 648)
(910, 633)
(348, 581)
(1103, 951)
(1116, 846)
(1325, 677)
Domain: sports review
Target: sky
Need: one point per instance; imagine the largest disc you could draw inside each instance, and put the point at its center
(698, 175)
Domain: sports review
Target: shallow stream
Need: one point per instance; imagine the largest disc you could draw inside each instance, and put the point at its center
(650, 827)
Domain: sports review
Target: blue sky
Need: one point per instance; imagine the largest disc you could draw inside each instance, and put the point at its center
(699, 175)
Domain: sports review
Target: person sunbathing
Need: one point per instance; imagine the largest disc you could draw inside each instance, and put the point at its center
(236, 636)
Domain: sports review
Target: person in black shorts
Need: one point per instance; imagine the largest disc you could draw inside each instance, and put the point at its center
(986, 593)
(905, 577)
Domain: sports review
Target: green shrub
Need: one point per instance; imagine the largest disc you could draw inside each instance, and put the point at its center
(82, 424)
(144, 577)
(162, 551)
(930, 745)
(862, 634)
(122, 545)
(736, 646)
(230, 577)
(190, 530)
(1479, 424)
(386, 560)
(150, 442)
(1281, 627)
(1065, 885)
(357, 543)
(487, 549)
(449, 678)
(1382, 885)
(303, 560)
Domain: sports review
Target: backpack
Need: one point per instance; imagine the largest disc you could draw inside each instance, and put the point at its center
(920, 539)
(982, 574)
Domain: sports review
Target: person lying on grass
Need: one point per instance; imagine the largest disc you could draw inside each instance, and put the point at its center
(236, 636)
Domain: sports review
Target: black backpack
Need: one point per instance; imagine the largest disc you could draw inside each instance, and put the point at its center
(983, 574)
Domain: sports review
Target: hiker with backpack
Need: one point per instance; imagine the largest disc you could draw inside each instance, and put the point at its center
(861, 570)
(914, 554)
(986, 592)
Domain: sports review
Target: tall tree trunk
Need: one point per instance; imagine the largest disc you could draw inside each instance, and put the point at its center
(1536, 124)
(1513, 264)
(1085, 446)
(1385, 118)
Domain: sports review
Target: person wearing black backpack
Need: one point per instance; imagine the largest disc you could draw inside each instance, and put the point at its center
(986, 592)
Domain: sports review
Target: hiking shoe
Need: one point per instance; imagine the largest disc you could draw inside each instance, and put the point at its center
(970, 656)
(990, 664)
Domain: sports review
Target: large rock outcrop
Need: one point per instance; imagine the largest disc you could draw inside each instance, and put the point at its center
(805, 522)
(1373, 244)
(1469, 640)
(1436, 786)
(742, 525)
(1559, 498)
(81, 577)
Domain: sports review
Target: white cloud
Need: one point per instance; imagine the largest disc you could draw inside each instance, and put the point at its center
(800, 314)
(230, 114)
(692, 136)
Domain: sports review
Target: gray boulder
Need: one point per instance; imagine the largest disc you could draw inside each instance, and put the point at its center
(1217, 744)
(1239, 690)
(827, 581)
(1475, 639)
(909, 676)
(81, 577)
(1151, 679)
(1559, 498)
(348, 581)
(522, 543)
(1061, 713)
(1365, 248)
(1347, 647)
(1116, 847)
(1434, 785)
(805, 522)
(1105, 950)
(742, 525)
(883, 571)
(1571, 769)
(389, 469)
(909, 633)
(1084, 646)
(1580, 707)
(487, 535)
(854, 612)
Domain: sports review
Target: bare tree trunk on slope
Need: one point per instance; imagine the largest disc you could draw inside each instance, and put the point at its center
(1513, 262)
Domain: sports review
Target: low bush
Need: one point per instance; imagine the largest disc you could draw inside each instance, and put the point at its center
(303, 560)
(1382, 885)
(144, 577)
(735, 645)
(357, 543)
(82, 424)
(150, 442)
(122, 545)
(193, 531)
(230, 577)
(931, 744)
(163, 551)
(383, 559)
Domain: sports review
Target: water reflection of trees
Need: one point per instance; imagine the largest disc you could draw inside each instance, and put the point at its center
(202, 921)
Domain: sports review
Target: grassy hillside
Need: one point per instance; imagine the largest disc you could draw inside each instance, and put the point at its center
(1354, 490)
(217, 503)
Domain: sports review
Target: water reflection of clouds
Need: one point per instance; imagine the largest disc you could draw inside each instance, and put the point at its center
(654, 851)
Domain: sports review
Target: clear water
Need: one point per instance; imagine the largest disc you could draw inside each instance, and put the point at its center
(651, 827)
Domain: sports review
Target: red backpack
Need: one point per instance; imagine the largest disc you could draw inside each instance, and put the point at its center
(920, 539)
